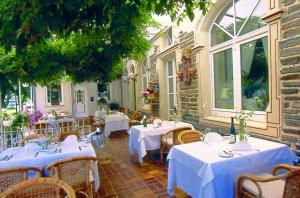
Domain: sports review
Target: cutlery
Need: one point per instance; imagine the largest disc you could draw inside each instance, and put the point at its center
(36, 154)
(233, 152)
(4, 158)
(55, 150)
(79, 148)
(8, 158)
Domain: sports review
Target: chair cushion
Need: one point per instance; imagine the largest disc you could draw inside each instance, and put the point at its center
(168, 140)
(272, 189)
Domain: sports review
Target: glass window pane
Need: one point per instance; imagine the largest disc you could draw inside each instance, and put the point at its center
(145, 83)
(223, 79)
(169, 36)
(218, 36)
(171, 87)
(243, 9)
(170, 68)
(254, 68)
(171, 101)
(255, 22)
(226, 18)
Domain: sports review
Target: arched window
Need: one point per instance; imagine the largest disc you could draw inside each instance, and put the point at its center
(239, 58)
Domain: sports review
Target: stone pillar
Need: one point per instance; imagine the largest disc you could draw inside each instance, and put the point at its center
(154, 77)
(188, 93)
(290, 70)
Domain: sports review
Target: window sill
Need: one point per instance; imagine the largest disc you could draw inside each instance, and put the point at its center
(60, 105)
(251, 124)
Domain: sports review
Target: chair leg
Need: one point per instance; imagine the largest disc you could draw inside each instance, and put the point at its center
(162, 153)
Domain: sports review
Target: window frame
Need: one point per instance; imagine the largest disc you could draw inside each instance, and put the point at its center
(169, 39)
(174, 76)
(235, 43)
(144, 75)
(61, 101)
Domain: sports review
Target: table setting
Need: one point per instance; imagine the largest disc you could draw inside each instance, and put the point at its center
(42, 152)
(210, 168)
(143, 138)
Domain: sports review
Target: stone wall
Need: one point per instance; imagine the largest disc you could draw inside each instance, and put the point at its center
(290, 71)
(188, 93)
(154, 77)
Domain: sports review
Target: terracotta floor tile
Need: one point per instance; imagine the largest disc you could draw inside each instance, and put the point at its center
(123, 177)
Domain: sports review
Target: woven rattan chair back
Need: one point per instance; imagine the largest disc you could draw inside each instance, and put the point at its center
(165, 144)
(12, 176)
(291, 177)
(136, 115)
(292, 184)
(74, 171)
(63, 135)
(189, 136)
(40, 188)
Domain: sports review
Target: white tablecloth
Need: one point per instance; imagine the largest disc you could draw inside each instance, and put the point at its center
(21, 157)
(115, 122)
(200, 172)
(148, 138)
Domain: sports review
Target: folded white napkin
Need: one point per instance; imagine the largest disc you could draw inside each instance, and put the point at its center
(32, 147)
(213, 137)
(157, 121)
(242, 146)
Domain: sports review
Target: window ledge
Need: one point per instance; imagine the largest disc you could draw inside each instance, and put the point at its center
(251, 124)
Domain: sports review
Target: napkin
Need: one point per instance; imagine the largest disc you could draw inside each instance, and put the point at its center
(213, 137)
(242, 146)
(31, 147)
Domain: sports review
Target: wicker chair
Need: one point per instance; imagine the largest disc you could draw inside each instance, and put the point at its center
(185, 137)
(66, 126)
(40, 188)
(122, 109)
(135, 118)
(169, 139)
(77, 172)
(12, 176)
(42, 128)
(270, 185)
(63, 135)
(30, 137)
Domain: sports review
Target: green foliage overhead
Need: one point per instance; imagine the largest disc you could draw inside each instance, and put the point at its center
(83, 39)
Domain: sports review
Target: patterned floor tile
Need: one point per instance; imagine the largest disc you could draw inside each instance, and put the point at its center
(123, 177)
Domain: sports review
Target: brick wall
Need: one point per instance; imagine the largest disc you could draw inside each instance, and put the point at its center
(188, 93)
(290, 71)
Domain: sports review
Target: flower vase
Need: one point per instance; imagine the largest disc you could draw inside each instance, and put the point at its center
(242, 136)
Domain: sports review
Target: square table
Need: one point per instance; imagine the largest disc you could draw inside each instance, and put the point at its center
(142, 139)
(201, 172)
(113, 122)
(22, 157)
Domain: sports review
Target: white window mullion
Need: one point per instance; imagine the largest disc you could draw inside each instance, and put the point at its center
(237, 78)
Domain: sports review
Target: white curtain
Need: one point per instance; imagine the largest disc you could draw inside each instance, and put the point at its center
(247, 54)
(265, 45)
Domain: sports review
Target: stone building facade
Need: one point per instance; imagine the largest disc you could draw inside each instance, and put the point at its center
(290, 70)
(277, 39)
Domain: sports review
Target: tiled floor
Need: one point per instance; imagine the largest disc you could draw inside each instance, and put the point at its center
(122, 176)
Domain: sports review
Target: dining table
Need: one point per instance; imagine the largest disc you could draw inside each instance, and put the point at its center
(35, 156)
(143, 139)
(114, 121)
(204, 169)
